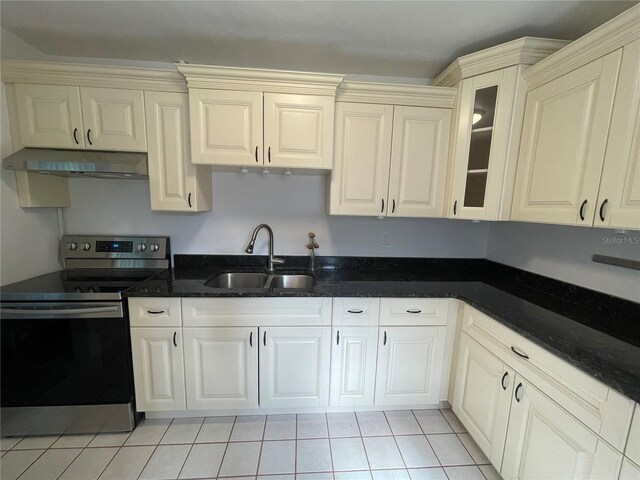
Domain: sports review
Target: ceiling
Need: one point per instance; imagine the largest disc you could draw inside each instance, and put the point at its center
(395, 38)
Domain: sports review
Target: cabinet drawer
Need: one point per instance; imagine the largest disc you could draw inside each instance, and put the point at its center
(262, 312)
(413, 311)
(155, 312)
(602, 409)
(356, 311)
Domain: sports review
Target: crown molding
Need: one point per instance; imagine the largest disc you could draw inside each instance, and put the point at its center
(523, 51)
(253, 79)
(396, 94)
(89, 75)
(611, 36)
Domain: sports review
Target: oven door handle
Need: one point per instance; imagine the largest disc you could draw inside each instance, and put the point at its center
(58, 311)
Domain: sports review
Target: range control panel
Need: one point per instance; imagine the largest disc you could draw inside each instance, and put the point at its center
(74, 248)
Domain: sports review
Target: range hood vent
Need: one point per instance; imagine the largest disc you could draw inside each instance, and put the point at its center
(79, 163)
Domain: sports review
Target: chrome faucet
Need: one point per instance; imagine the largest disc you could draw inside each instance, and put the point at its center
(252, 243)
(312, 246)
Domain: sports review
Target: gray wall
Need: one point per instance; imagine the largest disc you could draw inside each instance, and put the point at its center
(565, 253)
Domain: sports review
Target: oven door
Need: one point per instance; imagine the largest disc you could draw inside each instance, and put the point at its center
(65, 354)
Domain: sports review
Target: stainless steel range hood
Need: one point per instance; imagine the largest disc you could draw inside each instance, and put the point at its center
(79, 163)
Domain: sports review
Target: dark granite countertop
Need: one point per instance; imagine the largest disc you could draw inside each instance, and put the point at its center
(597, 333)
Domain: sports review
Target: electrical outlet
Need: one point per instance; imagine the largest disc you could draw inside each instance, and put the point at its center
(386, 238)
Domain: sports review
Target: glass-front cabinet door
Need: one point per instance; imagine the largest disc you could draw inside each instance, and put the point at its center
(485, 151)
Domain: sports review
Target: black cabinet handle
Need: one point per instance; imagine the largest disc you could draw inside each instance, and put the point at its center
(256, 154)
(602, 209)
(269, 155)
(251, 339)
(75, 136)
(174, 339)
(382, 209)
(506, 374)
(516, 392)
(89, 137)
(455, 207)
(393, 208)
(584, 204)
(355, 311)
(189, 199)
(414, 310)
(519, 352)
(264, 338)
(338, 338)
(384, 342)
(155, 312)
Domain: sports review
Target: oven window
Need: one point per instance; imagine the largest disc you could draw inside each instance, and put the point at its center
(66, 361)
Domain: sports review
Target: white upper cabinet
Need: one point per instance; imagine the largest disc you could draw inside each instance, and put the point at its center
(261, 118)
(565, 133)
(418, 161)
(113, 119)
(81, 117)
(487, 125)
(50, 116)
(619, 196)
(390, 159)
(226, 127)
(360, 176)
(174, 183)
(485, 148)
(578, 160)
(298, 130)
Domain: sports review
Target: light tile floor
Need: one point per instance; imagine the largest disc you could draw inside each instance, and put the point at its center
(392, 445)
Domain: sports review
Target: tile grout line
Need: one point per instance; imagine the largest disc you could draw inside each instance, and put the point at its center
(155, 448)
(295, 451)
(366, 455)
(427, 438)
(82, 449)
(191, 447)
(31, 464)
(396, 441)
(264, 429)
(326, 421)
(224, 454)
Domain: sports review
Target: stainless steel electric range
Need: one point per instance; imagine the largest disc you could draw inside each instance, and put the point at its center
(66, 354)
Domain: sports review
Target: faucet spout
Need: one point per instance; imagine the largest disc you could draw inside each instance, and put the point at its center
(272, 260)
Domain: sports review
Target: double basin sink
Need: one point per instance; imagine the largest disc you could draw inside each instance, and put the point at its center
(240, 280)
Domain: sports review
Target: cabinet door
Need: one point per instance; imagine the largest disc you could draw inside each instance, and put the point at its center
(353, 365)
(410, 361)
(298, 130)
(565, 131)
(226, 127)
(482, 397)
(294, 366)
(158, 369)
(360, 176)
(174, 183)
(619, 196)
(544, 441)
(221, 367)
(50, 116)
(486, 142)
(113, 119)
(418, 161)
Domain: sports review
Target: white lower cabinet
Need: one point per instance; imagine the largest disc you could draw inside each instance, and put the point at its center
(221, 367)
(544, 441)
(482, 397)
(353, 365)
(294, 366)
(158, 369)
(410, 361)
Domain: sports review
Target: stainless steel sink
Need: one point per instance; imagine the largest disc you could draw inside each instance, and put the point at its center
(290, 281)
(237, 280)
(241, 280)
